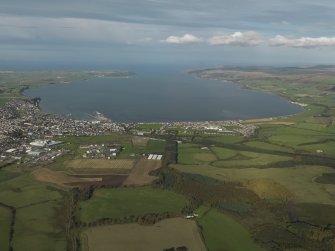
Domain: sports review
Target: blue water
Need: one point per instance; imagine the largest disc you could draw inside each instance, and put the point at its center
(164, 96)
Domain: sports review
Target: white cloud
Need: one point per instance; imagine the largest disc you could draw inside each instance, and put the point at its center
(284, 22)
(303, 42)
(249, 38)
(186, 39)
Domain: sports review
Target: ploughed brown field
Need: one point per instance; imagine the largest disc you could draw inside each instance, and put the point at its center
(140, 174)
(116, 173)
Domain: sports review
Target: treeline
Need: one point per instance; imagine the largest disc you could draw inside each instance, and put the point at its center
(73, 224)
(182, 248)
(148, 219)
(170, 153)
(71, 221)
(12, 223)
(207, 191)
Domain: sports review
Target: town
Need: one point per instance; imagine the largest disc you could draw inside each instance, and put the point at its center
(27, 131)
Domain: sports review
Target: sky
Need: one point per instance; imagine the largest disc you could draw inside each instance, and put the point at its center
(188, 33)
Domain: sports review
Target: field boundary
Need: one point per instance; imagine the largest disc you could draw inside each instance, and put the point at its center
(11, 229)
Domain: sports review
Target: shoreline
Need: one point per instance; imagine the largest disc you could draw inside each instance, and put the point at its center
(243, 86)
(193, 74)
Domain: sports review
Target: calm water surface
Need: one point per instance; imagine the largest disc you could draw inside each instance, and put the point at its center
(160, 97)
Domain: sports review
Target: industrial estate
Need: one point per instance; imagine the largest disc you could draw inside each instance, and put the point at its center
(261, 184)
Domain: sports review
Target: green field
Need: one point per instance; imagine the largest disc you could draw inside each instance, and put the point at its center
(5, 223)
(194, 154)
(130, 150)
(169, 233)
(223, 153)
(37, 225)
(224, 233)
(298, 180)
(326, 178)
(296, 137)
(189, 154)
(155, 146)
(37, 228)
(251, 159)
(268, 146)
(24, 191)
(123, 202)
(310, 212)
(225, 139)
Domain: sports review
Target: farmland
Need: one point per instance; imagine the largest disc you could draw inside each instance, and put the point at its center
(5, 226)
(123, 202)
(272, 190)
(168, 233)
(191, 154)
(272, 182)
(60, 178)
(36, 224)
(222, 232)
(93, 164)
(140, 174)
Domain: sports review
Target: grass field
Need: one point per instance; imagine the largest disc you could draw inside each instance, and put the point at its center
(130, 151)
(151, 146)
(250, 159)
(268, 146)
(37, 228)
(326, 178)
(226, 139)
(223, 153)
(37, 225)
(5, 223)
(23, 191)
(299, 137)
(167, 233)
(155, 146)
(327, 148)
(122, 202)
(194, 154)
(297, 180)
(189, 154)
(224, 233)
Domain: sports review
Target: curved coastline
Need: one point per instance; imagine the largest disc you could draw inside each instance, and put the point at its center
(255, 114)
(247, 87)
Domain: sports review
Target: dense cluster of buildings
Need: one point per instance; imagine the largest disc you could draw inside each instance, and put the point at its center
(24, 129)
(101, 151)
